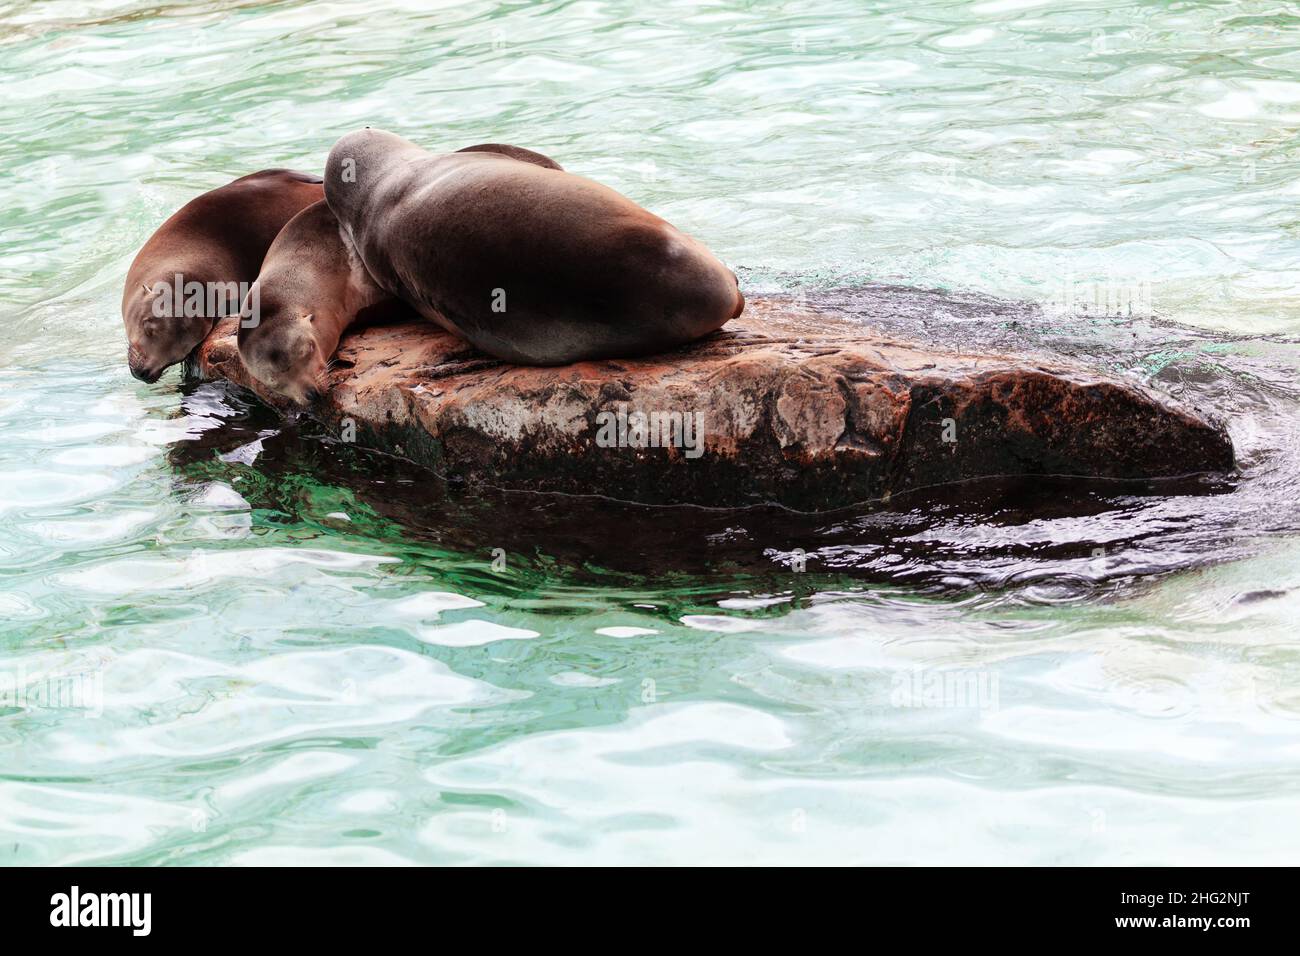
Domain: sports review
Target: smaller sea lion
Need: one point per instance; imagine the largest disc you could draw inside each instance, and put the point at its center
(311, 289)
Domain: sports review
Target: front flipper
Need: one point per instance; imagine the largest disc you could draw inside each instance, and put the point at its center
(514, 152)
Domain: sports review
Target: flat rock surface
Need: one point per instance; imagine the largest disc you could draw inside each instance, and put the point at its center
(791, 403)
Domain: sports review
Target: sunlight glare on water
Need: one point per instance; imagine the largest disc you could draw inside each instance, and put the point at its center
(285, 652)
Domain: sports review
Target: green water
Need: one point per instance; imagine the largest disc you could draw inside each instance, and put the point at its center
(284, 651)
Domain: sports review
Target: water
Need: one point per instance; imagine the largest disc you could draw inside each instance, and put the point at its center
(226, 639)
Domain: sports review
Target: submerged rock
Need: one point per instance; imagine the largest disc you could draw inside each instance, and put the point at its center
(786, 404)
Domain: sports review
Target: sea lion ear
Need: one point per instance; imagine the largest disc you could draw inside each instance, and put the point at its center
(147, 290)
(310, 317)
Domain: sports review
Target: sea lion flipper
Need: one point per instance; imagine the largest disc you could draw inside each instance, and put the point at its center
(514, 152)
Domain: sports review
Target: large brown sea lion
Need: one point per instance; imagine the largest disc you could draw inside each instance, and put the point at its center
(199, 263)
(529, 263)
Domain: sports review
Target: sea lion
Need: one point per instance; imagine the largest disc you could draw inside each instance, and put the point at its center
(529, 263)
(310, 290)
(195, 268)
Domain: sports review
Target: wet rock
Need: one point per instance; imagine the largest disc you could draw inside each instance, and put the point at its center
(789, 404)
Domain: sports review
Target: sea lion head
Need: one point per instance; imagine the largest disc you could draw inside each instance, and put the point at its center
(158, 334)
(281, 350)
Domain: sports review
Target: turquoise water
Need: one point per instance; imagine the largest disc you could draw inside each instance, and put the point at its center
(226, 639)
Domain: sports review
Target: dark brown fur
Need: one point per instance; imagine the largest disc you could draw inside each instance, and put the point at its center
(584, 272)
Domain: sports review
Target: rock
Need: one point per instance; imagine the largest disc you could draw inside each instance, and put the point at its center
(799, 407)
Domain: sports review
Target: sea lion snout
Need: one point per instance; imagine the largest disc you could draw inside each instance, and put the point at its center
(141, 368)
(146, 375)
